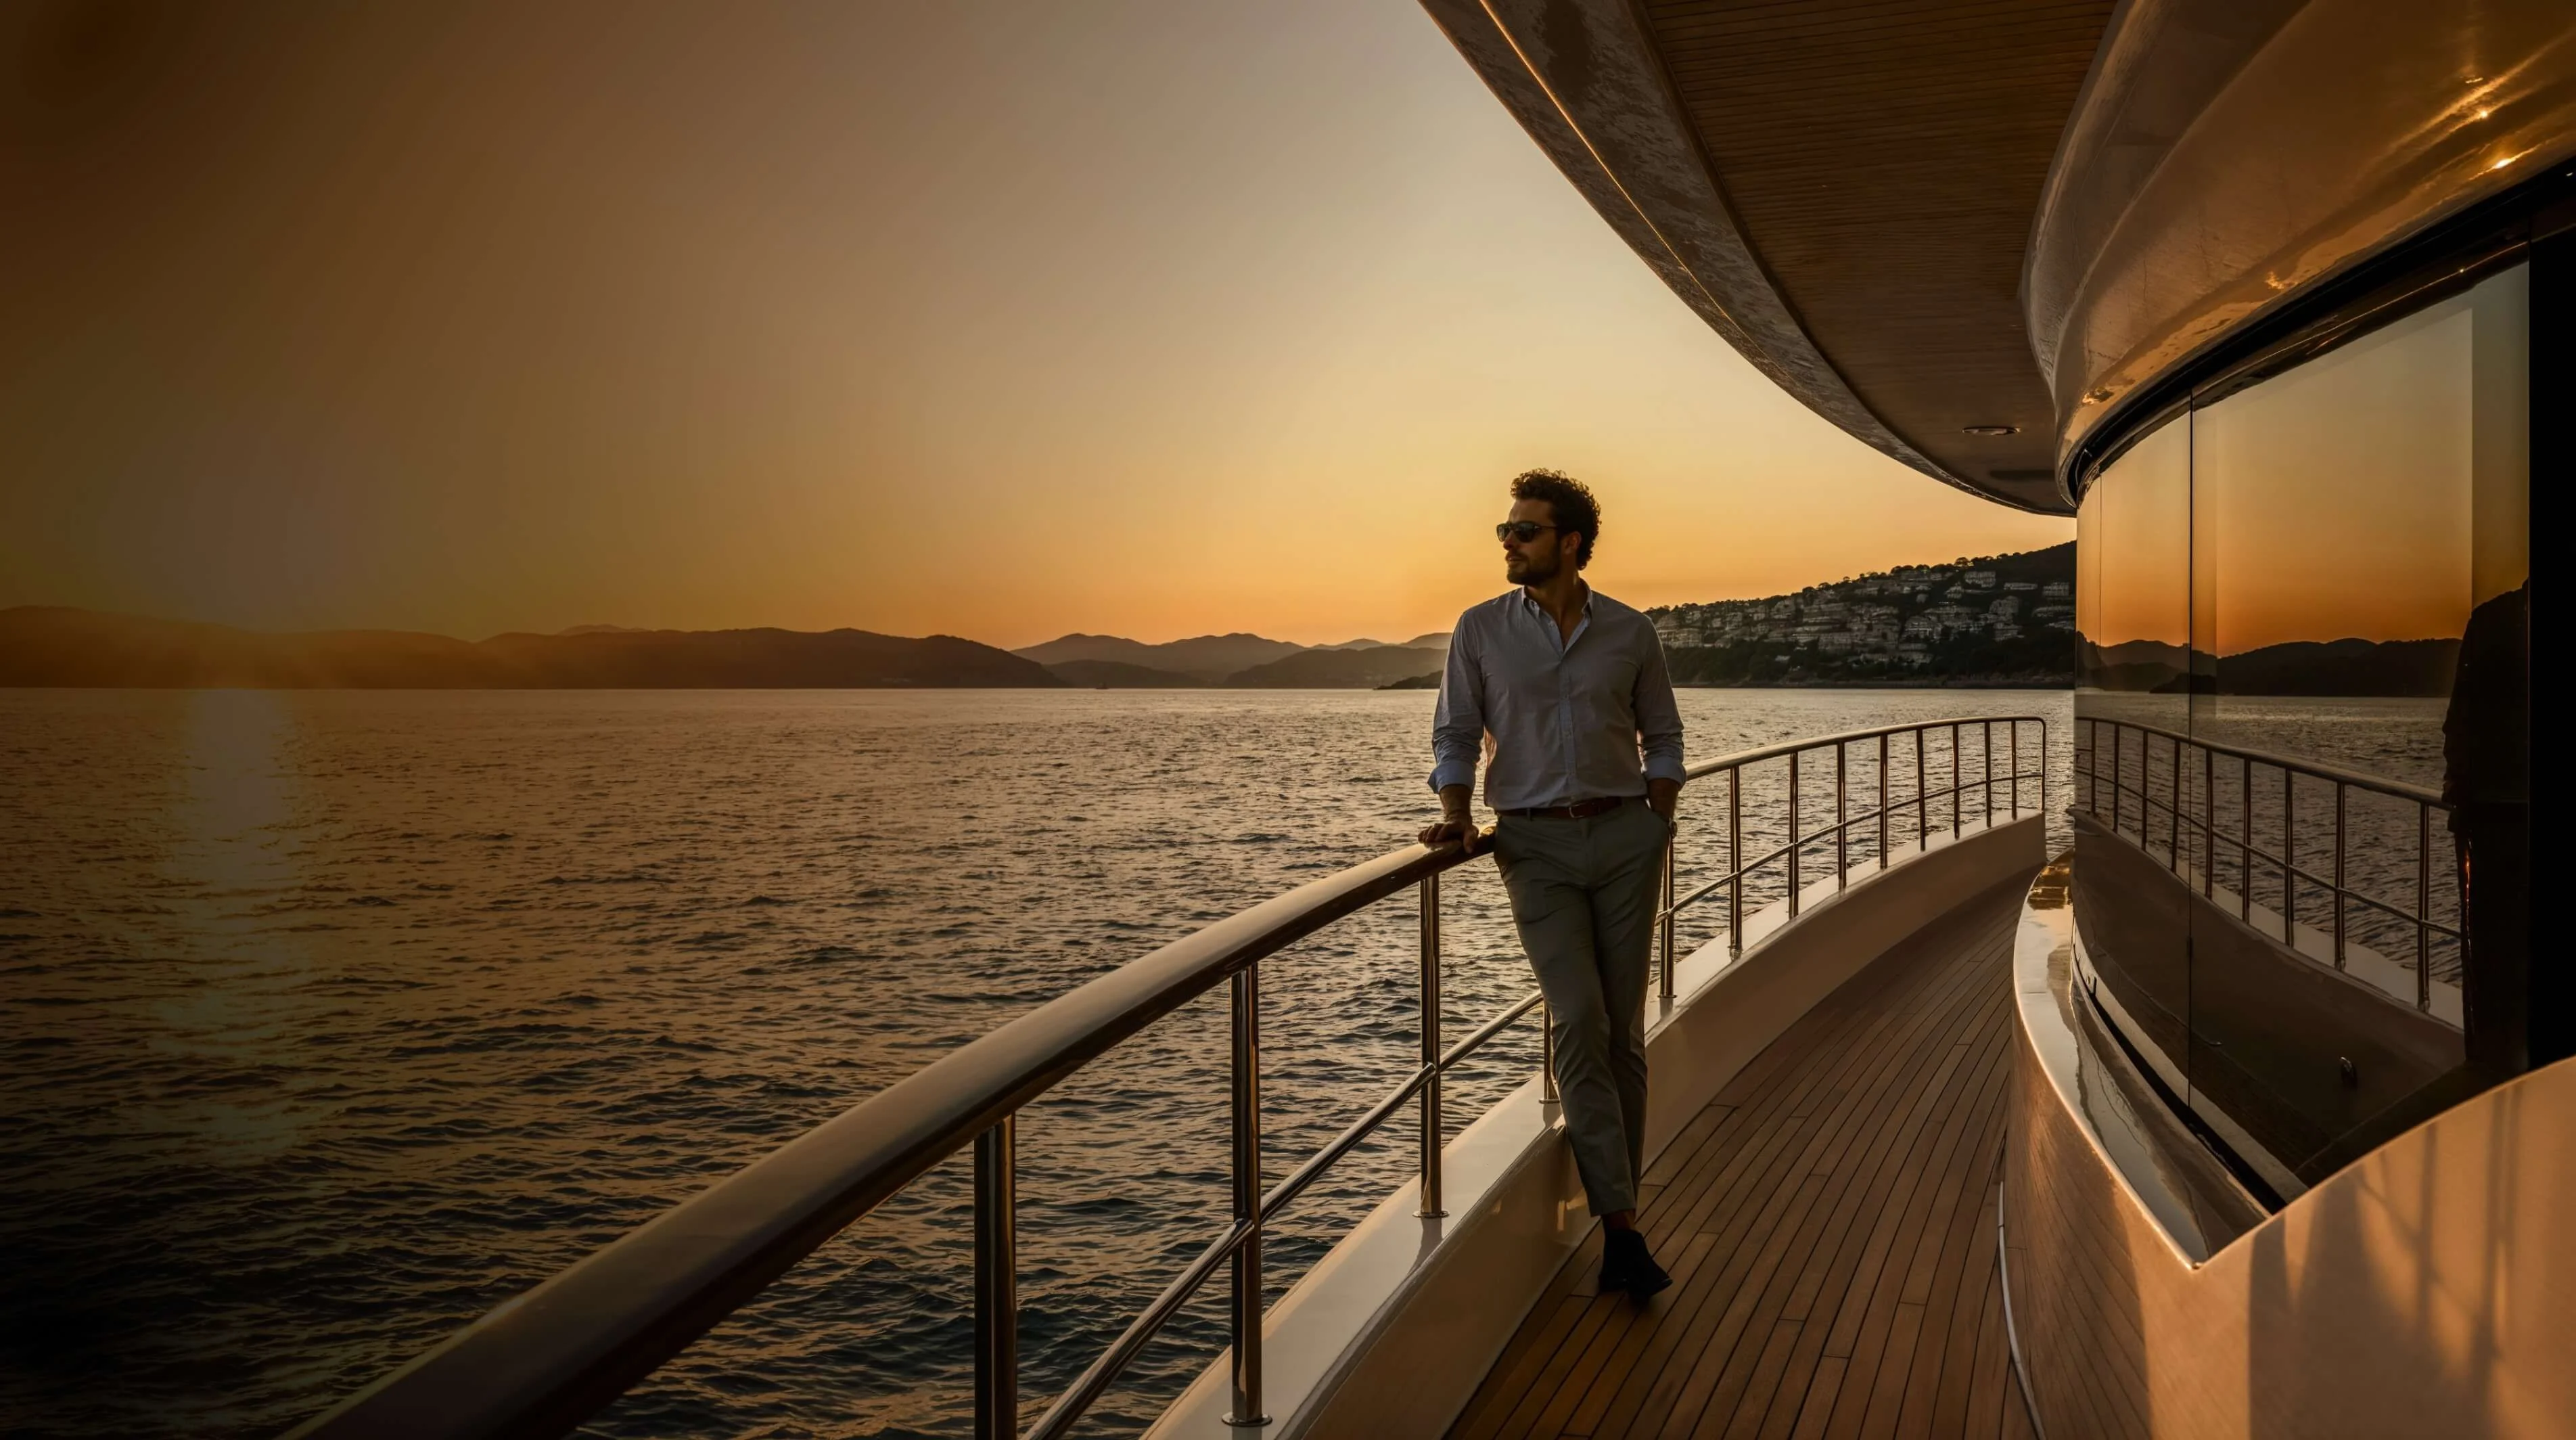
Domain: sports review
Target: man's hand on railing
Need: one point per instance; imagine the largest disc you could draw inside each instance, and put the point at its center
(1457, 821)
(1461, 829)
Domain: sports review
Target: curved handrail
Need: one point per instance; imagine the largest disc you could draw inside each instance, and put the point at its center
(1741, 758)
(541, 1363)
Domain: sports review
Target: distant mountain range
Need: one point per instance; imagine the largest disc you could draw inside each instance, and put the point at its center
(60, 646)
(1236, 661)
(2297, 667)
(1205, 660)
(53, 645)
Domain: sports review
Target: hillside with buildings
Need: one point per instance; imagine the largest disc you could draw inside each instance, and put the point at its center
(1998, 620)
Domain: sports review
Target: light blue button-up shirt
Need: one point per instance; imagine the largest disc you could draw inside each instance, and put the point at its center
(1557, 720)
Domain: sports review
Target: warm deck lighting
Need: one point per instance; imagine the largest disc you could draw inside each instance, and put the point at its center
(1989, 429)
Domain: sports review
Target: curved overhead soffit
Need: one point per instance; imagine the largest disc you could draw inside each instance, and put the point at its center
(1639, 107)
(1580, 79)
(2227, 154)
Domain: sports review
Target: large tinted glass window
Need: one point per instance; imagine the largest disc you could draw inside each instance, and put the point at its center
(2303, 695)
(2351, 516)
(2133, 623)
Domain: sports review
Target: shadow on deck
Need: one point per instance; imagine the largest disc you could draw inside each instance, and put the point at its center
(1829, 1220)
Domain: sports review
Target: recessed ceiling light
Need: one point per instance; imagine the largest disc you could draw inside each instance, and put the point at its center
(1990, 430)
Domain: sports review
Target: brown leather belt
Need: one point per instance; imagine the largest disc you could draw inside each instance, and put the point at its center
(1579, 810)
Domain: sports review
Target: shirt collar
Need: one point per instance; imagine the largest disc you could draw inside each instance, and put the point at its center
(1531, 602)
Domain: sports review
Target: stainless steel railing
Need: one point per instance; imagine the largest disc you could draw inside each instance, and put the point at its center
(2127, 786)
(541, 1364)
(1887, 813)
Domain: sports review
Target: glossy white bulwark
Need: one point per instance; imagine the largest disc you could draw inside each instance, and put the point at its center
(2427, 1289)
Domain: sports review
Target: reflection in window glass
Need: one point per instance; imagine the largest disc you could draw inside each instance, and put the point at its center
(2350, 513)
(2303, 732)
(2351, 516)
(2133, 622)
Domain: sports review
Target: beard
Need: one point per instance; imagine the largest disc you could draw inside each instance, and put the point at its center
(1522, 568)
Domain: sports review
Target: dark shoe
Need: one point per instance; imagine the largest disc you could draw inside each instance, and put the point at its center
(1627, 1265)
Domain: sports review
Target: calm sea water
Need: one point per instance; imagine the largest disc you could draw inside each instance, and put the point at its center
(335, 1019)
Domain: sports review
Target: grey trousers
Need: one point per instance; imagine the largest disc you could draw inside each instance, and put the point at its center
(1583, 895)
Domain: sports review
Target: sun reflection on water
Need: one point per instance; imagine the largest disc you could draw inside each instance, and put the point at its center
(233, 858)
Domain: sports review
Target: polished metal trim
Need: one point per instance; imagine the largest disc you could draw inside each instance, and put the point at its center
(1429, 1140)
(2381, 290)
(997, 1295)
(2223, 169)
(1244, 1315)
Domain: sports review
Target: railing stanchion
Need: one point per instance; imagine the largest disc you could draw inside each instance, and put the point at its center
(2424, 906)
(1431, 1116)
(1958, 773)
(2091, 749)
(2208, 820)
(1922, 798)
(1842, 827)
(1735, 860)
(2012, 754)
(1793, 834)
(1664, 935)
(2117, 756)
(2245, 842)
(1986, 757)
(1246, 1309)
(2173, 829)
(2338, 876)
(997, 1286)
(2289, 859)
(1882, 802)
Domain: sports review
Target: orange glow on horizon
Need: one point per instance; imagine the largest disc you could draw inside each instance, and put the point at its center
(1164, 321)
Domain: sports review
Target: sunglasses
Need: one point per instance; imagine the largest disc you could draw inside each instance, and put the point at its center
(1523, 531)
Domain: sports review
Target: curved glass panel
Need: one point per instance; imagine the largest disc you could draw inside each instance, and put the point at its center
(2302, 723)
(2133, 624)
(2351, 515)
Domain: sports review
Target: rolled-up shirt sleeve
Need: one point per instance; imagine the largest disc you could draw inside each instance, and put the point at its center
(1659, 719)
(1458, 725)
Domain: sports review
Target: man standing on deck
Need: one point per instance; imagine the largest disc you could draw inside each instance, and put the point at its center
(1562, 691)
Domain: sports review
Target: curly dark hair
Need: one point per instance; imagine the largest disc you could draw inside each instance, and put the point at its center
(1570, 505)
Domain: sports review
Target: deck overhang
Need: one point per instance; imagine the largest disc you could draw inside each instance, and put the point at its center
(1841, 189)
(1984, 238)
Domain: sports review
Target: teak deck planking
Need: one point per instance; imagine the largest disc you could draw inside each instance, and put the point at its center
(1829, 1221)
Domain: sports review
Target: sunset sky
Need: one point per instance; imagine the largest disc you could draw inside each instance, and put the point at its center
(995, 320)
